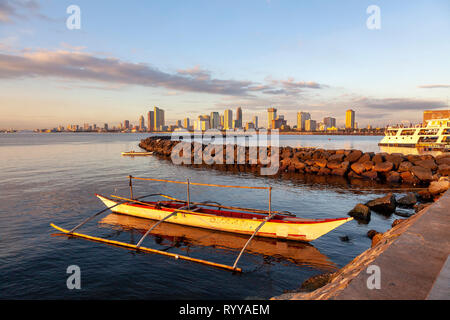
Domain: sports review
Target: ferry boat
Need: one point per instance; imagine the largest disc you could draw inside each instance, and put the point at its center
(434, 136)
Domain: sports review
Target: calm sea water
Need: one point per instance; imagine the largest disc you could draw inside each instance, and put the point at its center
(53, 178)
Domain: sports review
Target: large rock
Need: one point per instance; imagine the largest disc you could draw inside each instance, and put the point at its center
(384, 205)
(368, 165)
(360, 212)
(376, 239)
(393, 177)
(423, 174)
(407, 201)
(437, 187)
(365, 157)
(383, 166)
(444, 169)
(405, 166)
(377, 158)
(372, 175)
(338, 157)
(395, 158)
(443, 159)
(409, 178)
(354, 156)
(339, 172)
(358, 167)
(428, 164)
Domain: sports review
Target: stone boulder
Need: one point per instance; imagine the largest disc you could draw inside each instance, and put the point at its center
(372, 233)
(360, 212)
(358, 167)
(372, 175)
(423, 174)
(383, 166)
(407, 201)
(383, 205)
(437, 187)
(444, 169)
(354, 156)
(427, 164)
(393, 177)
(376, 239)
(405, 166)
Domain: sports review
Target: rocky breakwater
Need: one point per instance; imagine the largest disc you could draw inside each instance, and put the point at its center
(352, 164)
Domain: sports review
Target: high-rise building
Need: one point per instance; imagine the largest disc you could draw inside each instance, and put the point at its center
(350, 119)
(301, 120)
(239, 117)
(255, 122)
(141, 123)
(150, 120)
(222, 121)
(228, 119)
(186, 123)
(329, 122)
(126, 124)
(179, 125)
(272, 115)
(105, 126)
(158, 122)
(310, 125)
(214, 120)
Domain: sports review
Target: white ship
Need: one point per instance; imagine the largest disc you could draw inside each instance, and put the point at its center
(434, 136)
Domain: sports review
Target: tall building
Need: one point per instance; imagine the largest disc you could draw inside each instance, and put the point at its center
(350, 119)
(301, 120)
(239, 117)
(141, 123)
(310, 125)
(179, 125)
(272, 115)
(186, 124)
(228, 119)
(222, 121)
(214, 120)
(126, 124)
(158, 122)
(150, 120)
(255, 122)
(329, 122)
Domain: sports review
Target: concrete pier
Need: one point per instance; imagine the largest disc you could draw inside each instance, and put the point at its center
(412, 259)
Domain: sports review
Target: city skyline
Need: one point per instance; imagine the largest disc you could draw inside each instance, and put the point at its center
(319, 57)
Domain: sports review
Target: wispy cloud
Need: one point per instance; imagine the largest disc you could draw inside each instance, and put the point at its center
(11, 10)
(76, 65)
(434, 86)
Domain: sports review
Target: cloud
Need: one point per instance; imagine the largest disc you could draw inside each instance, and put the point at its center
(18, 9)
(434, 86)
(76, 65)
(400, 104)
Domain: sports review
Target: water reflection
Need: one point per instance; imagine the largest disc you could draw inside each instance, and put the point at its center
(190, 239)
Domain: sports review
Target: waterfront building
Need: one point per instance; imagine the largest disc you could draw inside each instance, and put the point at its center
(310, 125)
(255, 121)
(222, 121)
(272, 115)
(105, 127)
(238, 118)
(249, 125)
(301, 120)
(278, 123)
(228, 119)
(141, 123)
(178, 125)
(126, 124)
(350, 119)
(150, 120)
(329, 122)
(159, 121)
(214, 120)
(186, 124)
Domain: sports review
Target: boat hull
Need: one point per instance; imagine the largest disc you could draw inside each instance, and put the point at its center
(281, 228)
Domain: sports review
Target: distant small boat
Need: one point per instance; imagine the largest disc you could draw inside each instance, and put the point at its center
(136, 153)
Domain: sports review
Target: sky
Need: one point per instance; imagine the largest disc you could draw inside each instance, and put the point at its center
(195, 57)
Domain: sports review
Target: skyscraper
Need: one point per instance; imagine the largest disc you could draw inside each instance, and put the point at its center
(255, 121)
(126, 124)
(214, 120)
(329, 122)
(141, 123)
(158, 119)
(150, 120)
(239, 117)
(350, 119)
(310, 125)
(186, 123)
(301, 120)
(272, 115)
(228, 119)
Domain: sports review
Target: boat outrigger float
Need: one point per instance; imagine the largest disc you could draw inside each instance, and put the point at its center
(209, 215)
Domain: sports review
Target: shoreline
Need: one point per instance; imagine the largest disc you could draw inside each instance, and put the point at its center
(411, 257)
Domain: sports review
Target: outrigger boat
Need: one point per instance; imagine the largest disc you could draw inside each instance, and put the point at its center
(137, 153)
(213, 216)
